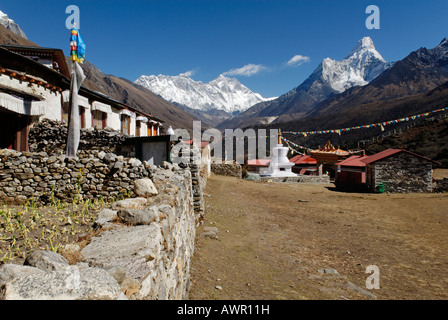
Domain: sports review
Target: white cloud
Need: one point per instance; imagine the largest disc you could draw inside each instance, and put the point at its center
(248, 70)
(298, 59)
(188, 73)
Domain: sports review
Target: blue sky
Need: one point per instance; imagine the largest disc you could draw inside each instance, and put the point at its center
(252, 40)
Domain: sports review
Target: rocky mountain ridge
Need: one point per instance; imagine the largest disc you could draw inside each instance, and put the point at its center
(223, 93)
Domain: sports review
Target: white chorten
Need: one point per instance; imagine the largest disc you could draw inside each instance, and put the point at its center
(280, 166)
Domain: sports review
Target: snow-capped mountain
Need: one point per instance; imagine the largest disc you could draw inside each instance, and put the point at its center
(223, 93)
(11, 25)
(362, 65)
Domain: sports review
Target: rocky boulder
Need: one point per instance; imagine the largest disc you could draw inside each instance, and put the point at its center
(145, 188)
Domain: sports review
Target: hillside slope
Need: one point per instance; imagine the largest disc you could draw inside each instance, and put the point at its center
(8, 37)
(421, 71)
(429, 139)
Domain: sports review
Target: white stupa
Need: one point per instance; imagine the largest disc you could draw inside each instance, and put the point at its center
(280, 166)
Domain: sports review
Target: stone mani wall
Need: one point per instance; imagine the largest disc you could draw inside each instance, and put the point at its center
(50, 136)
(156, 246)
(92, 174)
(441, 186)
(142, 250)
(199, 174)
(227, 169)
(322, 179)
(45, 171)
(145, 243)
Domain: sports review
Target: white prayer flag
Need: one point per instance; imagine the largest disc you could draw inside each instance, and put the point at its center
(74, 125)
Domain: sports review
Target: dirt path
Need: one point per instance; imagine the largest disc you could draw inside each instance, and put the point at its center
(296, 241)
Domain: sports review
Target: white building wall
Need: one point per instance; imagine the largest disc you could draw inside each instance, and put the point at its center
(113, 120)
(143, 129)
(132, 127)
(53, 99)
(88, 117)
(53, 106)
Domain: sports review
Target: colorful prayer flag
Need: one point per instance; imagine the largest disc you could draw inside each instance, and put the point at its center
(77, 47)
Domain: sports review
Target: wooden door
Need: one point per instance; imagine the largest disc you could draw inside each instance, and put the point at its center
(14, 130)
(125, 124)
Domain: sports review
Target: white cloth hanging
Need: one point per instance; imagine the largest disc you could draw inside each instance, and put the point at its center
(96, 105)
(21, 105)
(142, 119)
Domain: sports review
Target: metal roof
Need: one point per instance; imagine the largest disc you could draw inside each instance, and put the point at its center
(389, 152)
(353, 161)
(302, 159)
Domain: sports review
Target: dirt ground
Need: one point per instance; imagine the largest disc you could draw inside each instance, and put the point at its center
(281, 241)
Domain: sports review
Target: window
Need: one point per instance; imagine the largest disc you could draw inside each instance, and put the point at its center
(125, 124)
(65, 109)
(66, 116)
(82, 115)
(99, 119)
(138, 125)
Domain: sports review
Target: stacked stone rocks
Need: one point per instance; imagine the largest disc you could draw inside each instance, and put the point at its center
(92, 174)
(144, 243)
(142, 250)
(227, 169)
(441, 186)
(50, 136)
(199, 180)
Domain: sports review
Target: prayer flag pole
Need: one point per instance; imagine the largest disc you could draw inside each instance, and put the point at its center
(77, 54)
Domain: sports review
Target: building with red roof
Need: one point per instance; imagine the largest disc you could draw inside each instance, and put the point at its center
(399, 170)
(392, 170)
(258, 165)
(304, 164)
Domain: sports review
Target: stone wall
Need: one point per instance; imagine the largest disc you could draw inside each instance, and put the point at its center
(322, 179)
(199, 176)
(400, 173)
(44, 172)
(227, 169)
(157, 243)
(50, 136)
(92, 174)
(142, 246)
(142, 250)
(441, 186)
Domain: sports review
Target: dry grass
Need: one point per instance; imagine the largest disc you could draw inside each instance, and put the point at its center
(271, 245)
